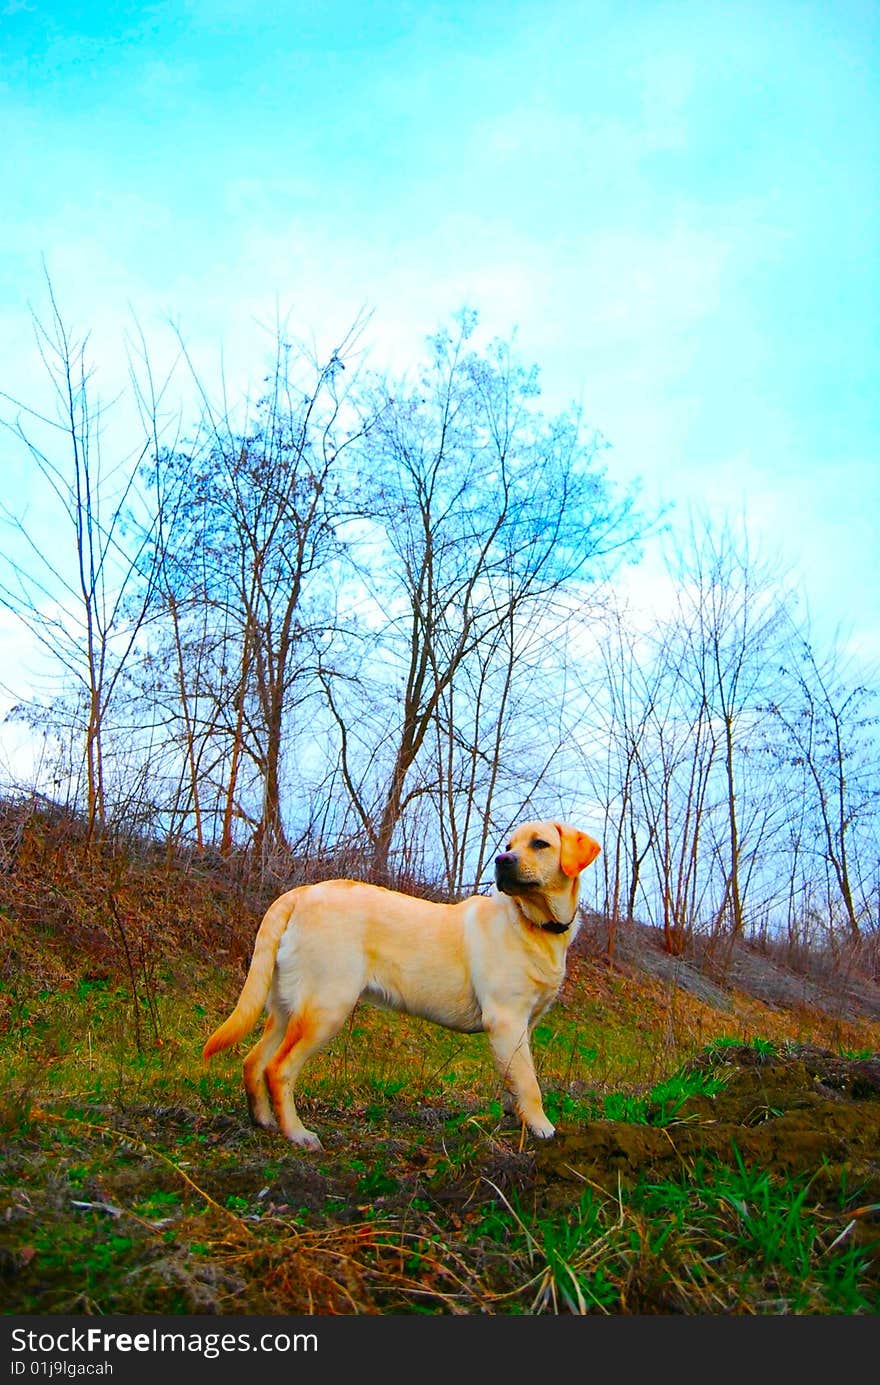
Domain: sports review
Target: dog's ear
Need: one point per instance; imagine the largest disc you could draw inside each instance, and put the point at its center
(578, 850)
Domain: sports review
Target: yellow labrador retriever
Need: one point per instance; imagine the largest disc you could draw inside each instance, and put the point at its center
(492, 962)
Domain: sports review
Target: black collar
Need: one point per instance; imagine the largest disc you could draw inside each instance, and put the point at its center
(554, 927)
(551, 926)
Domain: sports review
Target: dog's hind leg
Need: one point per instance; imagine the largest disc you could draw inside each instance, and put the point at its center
(306, 1032)
(255, 1084)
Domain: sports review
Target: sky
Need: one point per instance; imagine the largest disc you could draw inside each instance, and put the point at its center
(674, 206)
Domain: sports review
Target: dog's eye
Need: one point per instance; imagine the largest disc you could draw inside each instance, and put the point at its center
(538, 845)
(509, 846)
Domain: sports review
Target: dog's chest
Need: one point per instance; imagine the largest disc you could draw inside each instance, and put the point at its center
(547, 984)
(544, 973)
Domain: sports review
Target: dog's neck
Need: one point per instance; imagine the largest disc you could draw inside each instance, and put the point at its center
(553, 915)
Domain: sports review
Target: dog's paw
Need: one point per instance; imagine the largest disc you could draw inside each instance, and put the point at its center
(542, 1129)
(306, 1139)
(263, 1120)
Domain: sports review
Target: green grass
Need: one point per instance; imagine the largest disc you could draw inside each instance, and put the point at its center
(713, 1240)
(132, 1182)
(661, 1105)
(376, 1058)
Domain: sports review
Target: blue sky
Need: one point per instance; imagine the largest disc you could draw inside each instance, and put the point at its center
(675, 205)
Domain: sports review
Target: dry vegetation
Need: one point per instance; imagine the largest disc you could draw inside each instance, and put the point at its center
(718, 1147)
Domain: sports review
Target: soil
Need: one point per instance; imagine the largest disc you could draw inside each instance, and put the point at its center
(85, 1227)
(805, 1112)
(804, 1116)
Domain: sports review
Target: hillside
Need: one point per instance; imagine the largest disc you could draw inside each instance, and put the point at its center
(718, 1117)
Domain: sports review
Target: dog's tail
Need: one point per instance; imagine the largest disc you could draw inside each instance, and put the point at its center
(259, 978)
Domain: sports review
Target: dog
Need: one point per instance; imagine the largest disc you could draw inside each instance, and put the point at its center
(491, 962)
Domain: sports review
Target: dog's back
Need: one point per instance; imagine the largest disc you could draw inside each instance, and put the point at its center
(343, 939)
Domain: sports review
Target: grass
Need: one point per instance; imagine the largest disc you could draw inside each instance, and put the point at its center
(131, 1181)
(125, 1223)
(701, 1165)
(713, 1240)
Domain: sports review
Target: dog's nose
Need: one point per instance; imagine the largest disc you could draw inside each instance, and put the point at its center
(506, 858)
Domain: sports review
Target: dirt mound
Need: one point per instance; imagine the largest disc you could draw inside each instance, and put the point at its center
(806, 1111)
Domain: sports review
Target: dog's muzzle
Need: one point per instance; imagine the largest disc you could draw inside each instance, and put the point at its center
(506, 877)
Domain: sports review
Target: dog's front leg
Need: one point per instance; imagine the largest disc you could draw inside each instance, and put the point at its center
(509, 1038)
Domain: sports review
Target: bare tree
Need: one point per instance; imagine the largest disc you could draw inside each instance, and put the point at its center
(245, 576)
(616, 682)
(652, 777)
(695, 823)
(732, 609)
(827, 721)
(85, 605)
(484, 510)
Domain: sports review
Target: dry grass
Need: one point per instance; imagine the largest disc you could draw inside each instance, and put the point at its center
(131, 1180)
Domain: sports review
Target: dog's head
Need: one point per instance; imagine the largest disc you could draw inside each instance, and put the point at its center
(541, 868)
